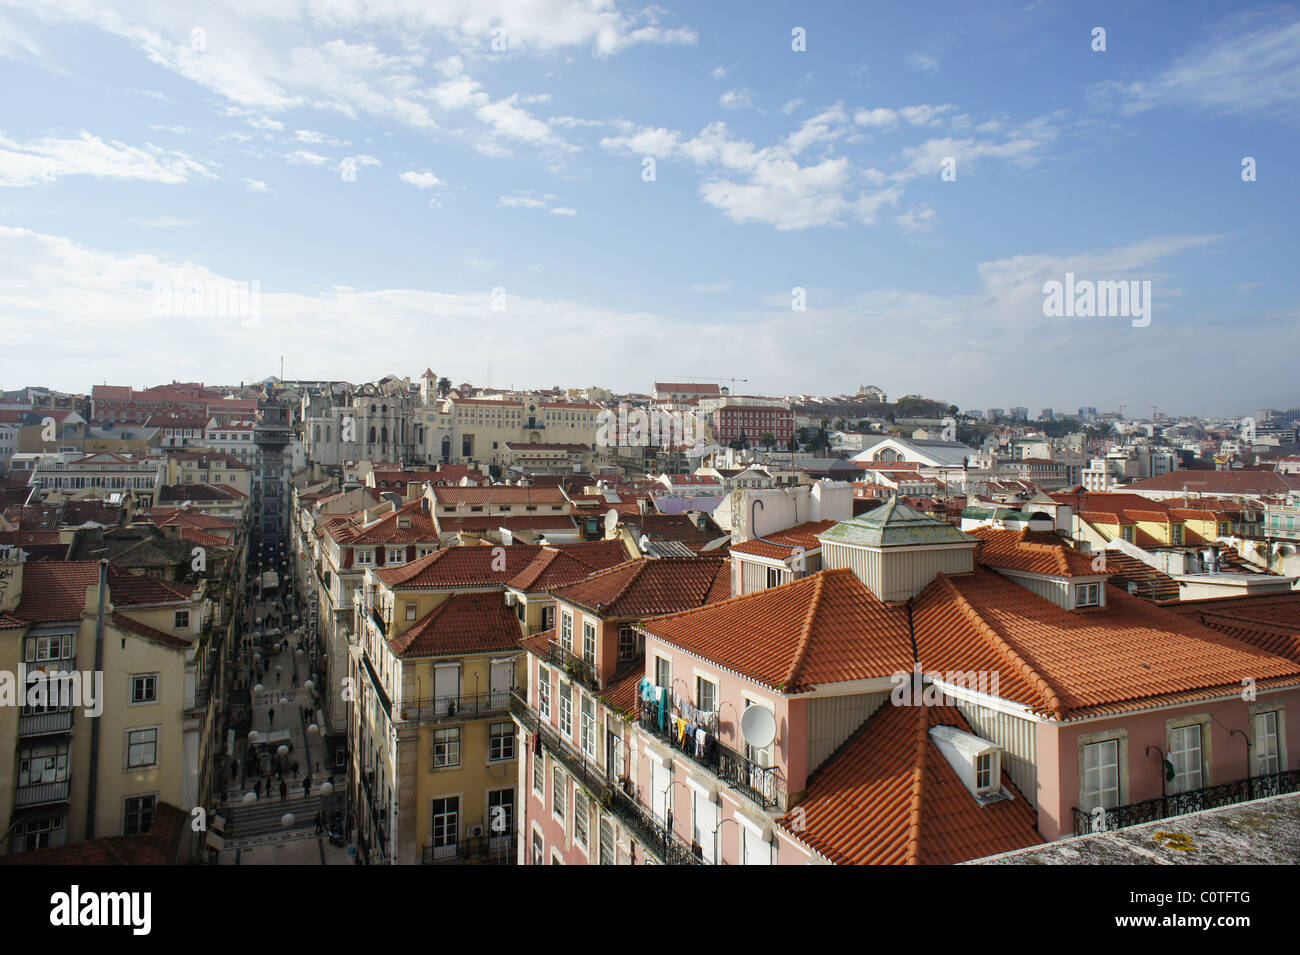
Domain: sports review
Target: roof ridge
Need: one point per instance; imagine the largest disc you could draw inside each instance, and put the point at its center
(805, 633)
(918, 785)
(1004, 648)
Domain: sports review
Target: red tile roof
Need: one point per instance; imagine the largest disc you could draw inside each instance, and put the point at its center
(1035, 552)
(464, 566)
(553, 567)
(826, 628)
(387, 528)
(122, 621)
(801, 535)
(646, 587)
(498, 495)
(56, 591)
(463, 623)
(160, 846)
(1270, 622)
(888, 796)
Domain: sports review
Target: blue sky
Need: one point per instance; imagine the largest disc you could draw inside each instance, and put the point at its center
(215, 142)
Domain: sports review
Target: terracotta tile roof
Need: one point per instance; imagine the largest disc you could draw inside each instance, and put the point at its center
(10, 622)
(622, 694)
(1035, 552)
(681, 527)
(646, 587)
(420, 528)
(464, 566)
(124, 622)
(463, 623)
(539, 643)
(199, 493)
(194, 518)
(448, 524)
(1221, 482)
(56, 591)
(825, 628)
(888, 796)
(1151, 583)
(196, 535)
(1270, 622)
(498, 495)
(28, 538)
(160, 846)
(1130, 655)
(801, 535)
(553, 567)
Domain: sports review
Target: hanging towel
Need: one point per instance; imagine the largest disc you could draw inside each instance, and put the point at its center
(700, 737)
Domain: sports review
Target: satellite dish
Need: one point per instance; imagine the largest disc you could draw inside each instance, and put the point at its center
(758, 726)
(611, 521)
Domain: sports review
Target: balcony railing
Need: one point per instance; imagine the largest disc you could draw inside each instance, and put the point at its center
(1177, 804)
(760, 783)
(648, 831)
(42, 793)
(499, 849)
(461, 706)
(576, 667)
(40, 724)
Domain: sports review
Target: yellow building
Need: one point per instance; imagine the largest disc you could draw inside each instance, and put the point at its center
(75, 777)
(432, 741)
(464, 430)
(204, 467)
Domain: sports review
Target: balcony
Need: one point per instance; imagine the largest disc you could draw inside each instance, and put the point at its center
(42, 793)
(462, 706)
(42, 724)
(576, 667)
(643, 827)
(1176, 804)
(496, 850)
(759, 783)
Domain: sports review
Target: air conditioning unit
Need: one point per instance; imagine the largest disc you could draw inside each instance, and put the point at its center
(476, 831)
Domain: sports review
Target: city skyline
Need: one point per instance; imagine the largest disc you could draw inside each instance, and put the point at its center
(388, 178)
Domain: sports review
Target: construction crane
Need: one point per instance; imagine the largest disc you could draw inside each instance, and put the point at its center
(732, 379)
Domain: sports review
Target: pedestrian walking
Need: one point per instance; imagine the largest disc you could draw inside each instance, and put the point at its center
(320, 821)
(270, 716)
(295, 679)
(294, 768)
(306, 786)
(284, 791)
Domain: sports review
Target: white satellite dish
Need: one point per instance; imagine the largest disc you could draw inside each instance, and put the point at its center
(758, 726)
(611, 521)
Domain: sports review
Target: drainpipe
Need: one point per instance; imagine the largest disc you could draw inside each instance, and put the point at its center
(94, 725)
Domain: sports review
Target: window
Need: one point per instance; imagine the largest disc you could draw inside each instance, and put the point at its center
(1185, 754)
(774, 577)
(566, 710)
(501, 741)
(548, 617)
(589, 642)
(558, 784)
(446, 823)
(501, 813)
(141, 748)
(706, 694)
(544, 691)
(626, 644)
(581, 818)
(397, 555)
(984, 771)
(566, 631)
(1176, 533)
(138, 815)
(587, 726)
(365, 557)
(539, 849)
(1101, 775)
(606, 842)
(1267, 758)
(182, 619)
(1088, 595)
(663, 673)
(144, 688)
(410, 609)
(38, 765)
(1127, 532)
(759, 757)
(539, 775)
(446, 747)
(36, 833)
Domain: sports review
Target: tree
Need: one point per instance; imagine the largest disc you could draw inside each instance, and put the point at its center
(768, 440)
(444, 386)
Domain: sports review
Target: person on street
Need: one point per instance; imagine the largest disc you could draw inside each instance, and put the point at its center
(306, 786)
(270, 716)
(284, 790)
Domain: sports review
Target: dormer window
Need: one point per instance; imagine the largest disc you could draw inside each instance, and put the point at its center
(396, 555)
(365, 557)
(985, 772)
(1127, 532)
(976, 761)
(1088, 595)
(1175, 533)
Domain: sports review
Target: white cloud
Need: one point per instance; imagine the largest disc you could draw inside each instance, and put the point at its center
(522, 202)
(737, 99)
(922, 219)
(564, 211)
(876, 118)
(255, 185)
(923, 63)
(1250, 64)
(421, 180)
(791, 105)
(262, 122)
(305, 157)
(46, 160)
(719, 73)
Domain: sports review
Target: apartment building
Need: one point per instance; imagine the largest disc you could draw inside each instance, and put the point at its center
(914, 631)
(201, 467)
(74, 777)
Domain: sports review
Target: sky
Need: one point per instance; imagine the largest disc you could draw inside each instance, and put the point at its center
(808, 197)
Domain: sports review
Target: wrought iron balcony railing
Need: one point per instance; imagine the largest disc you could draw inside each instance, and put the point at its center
(760, 783)
(582, 670)
(498, 849)
(644, 828)
(460, 706)
(1177, 804)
